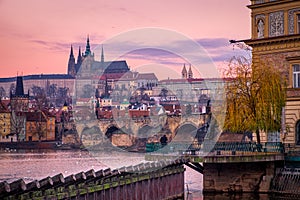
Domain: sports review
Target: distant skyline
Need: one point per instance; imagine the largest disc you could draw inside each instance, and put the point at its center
(36, 35)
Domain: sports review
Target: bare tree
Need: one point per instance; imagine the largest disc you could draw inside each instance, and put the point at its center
(40, 126)
(2, 92)
(18, 124)
(12, 88)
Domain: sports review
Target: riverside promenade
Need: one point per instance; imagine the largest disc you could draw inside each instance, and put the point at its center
(239, 167)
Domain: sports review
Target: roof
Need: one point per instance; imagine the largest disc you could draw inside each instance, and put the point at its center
(38, 77)
(111, 76)
(147, 76)
(116, 66)
(110, 67)
(35, 117)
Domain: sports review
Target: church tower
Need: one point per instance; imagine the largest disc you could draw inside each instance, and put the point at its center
(190, 72)
(79, 60)
(184, 72)
(102, 55)
(71, 63)
(87, 48)
(19, 100)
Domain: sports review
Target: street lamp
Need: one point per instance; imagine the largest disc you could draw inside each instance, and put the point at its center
(241, 44)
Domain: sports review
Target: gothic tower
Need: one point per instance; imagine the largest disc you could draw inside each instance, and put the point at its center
(190, 72)
(87, 48)
(184, 72)
(19, 100)
(79, 60)
(71, 64)
(102, 55)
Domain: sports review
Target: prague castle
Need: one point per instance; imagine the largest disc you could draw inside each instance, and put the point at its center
(85, 68)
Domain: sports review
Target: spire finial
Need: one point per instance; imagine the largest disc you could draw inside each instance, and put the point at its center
(190, 72)
(71, 53)
(184, 72)
(102, 54)
(88, 48)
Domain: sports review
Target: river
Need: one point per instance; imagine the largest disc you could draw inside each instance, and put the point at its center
(37, 164)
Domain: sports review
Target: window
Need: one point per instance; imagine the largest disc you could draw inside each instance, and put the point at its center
(296, 76)
(297, 131)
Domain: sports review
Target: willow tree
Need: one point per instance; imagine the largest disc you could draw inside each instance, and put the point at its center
(255, 97)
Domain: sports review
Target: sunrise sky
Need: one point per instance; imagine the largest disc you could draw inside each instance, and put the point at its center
(36, 35)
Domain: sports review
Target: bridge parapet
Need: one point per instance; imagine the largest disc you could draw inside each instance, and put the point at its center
(151, 180)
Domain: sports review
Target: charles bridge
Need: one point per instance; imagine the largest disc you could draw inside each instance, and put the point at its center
(125, 130)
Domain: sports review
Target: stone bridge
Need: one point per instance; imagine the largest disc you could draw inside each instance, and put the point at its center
(125, 128)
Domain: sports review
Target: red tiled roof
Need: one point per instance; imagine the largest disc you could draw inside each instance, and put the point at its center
(35, 117)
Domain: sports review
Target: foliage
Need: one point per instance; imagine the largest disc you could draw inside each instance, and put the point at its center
(52, 90)
(62, 95)
(255, 97)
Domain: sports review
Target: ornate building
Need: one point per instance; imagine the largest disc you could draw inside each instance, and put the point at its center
(91, 74)
(275, 38)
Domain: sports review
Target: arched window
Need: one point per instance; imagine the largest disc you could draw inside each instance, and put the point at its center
(297, 132)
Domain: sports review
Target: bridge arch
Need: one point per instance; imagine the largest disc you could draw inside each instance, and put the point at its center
(112, 130)
(92, 133)
(145, 131)
(185, 132)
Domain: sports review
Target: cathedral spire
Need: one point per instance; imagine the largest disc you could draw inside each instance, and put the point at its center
(79, 59)
(190, 72)
(87, 48)
(71, 52)
(71, 63)
(102, 54)
(184, 72)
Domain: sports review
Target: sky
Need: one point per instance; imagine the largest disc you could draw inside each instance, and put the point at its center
(150, 35)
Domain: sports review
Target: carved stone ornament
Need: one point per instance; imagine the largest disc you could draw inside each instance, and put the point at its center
(260, 23)
(276, 23)
(259, 1)
(291, 22)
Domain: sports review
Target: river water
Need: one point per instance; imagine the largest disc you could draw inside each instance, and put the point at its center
(37, 164)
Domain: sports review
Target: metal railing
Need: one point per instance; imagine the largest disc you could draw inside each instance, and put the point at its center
(219, 148)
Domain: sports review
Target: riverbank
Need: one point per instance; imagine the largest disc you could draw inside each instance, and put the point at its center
(37, 145)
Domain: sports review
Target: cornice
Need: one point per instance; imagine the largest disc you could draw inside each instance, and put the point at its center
(268, 4)
(272, 40)
(293, 58)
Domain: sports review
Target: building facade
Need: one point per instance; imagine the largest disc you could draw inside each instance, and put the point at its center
(40, 126)
(5, 123)
(275, 39)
